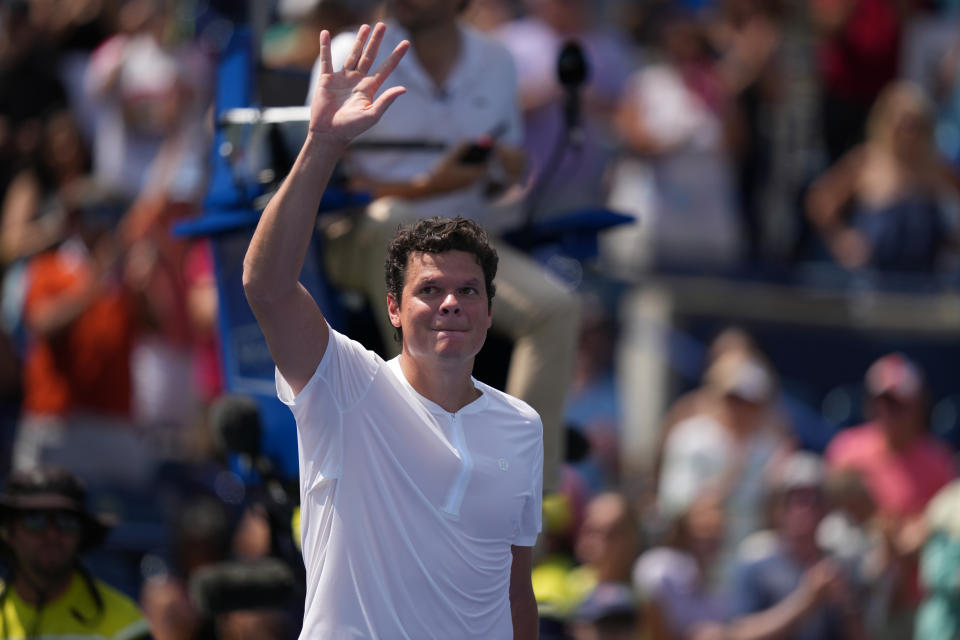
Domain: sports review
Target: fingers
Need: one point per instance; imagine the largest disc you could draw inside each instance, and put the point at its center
(326, 61)
(358, 43)
(366, 62)
(388, 65)
(386, 99)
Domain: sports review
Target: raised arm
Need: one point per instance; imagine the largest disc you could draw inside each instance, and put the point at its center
(343, 106)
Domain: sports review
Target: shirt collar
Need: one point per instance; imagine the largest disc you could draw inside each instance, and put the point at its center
(473, 407)
(411, 69)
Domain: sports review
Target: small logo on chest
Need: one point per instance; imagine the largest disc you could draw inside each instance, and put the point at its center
(502, 464)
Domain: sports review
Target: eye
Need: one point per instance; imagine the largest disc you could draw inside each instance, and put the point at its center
(428, 289)
(472, 291)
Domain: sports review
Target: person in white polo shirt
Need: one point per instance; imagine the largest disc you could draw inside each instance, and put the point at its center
(420, 486)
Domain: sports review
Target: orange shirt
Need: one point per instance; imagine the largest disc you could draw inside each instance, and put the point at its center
(87, 367)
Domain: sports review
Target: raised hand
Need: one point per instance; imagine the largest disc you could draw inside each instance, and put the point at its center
(343, 106)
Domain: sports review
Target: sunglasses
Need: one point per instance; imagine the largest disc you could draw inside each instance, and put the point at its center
(38, 521)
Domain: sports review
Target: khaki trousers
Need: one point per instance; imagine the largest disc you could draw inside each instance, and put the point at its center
(533, 308)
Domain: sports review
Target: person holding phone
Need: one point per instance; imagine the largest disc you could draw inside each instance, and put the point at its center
(461, 91)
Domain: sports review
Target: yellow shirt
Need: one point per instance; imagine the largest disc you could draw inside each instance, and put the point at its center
(74, 616)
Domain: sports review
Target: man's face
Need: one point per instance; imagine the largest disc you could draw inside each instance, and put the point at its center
(45, 543)
(413, 15)
(900, 417)
(445, 311)
(606, 540)
(801, 511)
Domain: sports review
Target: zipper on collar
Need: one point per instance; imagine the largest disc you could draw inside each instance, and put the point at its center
(455, 496)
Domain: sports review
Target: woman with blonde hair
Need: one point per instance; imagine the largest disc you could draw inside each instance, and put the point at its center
(883, 205)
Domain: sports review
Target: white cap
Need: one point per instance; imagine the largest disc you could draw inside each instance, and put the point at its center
(801, 470)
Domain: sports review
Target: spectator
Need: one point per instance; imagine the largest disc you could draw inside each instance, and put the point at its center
(34, 204)
(569, 154)
(943, 85)
(29, 86)
(677, 176)
(461, 86)
(74, 30)
(81, 318)
(881, 206)
(857, 55)
(606, 545)
(784, 586)
(749, 40)
(674, 580)
(593, 404)
(608, 540)
(852, 534)
(34, 209)
(702, 398)
(609, 613)
(149, 137)
(167, 607)
(939, 615)
(151, 92)
(731, 447)
(46, 526)
(902, 464)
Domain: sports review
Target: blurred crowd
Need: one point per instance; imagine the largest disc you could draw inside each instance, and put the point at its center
(746, 139)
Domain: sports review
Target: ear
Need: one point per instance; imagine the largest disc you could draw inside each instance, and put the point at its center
(393, 308)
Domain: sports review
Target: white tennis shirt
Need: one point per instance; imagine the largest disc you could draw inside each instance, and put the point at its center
(408, 511)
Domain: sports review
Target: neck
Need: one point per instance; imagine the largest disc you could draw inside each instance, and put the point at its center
(450, 387)
(803, 549)
(898, 437)
(438, 49)
(36, 591)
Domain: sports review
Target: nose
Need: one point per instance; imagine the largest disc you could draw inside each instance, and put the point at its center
(450, 304)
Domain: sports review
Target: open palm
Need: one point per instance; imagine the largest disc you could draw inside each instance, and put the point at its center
(343, 104)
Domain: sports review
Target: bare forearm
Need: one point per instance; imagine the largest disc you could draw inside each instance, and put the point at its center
(523, 603)
(523, 611)
(774, 622)
(55, 316)
(272, 265)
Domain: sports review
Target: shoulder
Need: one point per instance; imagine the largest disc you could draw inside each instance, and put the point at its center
(346, 369)
(850, 442)
(696, 432)
(507, 405)
(937, 452)
(662, 569)
(486, 48)
(122, 617)
(758, 548)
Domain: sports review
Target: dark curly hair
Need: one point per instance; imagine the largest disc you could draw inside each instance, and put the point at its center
(436, 235)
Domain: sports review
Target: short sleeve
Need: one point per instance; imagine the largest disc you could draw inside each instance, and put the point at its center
(531, 519)
(46, 279)
(340, 381)
(835, 455)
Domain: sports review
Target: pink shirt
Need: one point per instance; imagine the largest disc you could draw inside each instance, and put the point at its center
(901, 482)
